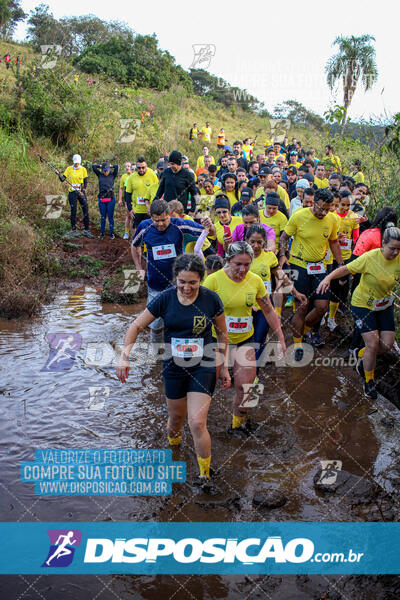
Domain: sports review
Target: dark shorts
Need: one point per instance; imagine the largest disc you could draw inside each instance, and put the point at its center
(138, 218)
(307, 284)
(373, 320)
(178, 381)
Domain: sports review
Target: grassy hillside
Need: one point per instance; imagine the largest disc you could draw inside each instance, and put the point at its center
(57, 113)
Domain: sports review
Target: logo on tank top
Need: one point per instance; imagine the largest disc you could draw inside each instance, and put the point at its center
(199, 324)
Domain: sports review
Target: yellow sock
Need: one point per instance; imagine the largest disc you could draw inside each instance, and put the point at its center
(175, 441)
(306, 329)
(369, 375)
(333, 306)
(361, 352)
(278, 310)
(204, 464)
(237, 421)
(297, 342)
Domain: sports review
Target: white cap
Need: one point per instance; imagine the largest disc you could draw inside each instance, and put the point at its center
(76, 159)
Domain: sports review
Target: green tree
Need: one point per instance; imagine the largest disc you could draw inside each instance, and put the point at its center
(355, 60)
(11, 14)
(298, 114)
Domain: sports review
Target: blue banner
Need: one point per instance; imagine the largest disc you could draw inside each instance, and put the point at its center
(200, 548)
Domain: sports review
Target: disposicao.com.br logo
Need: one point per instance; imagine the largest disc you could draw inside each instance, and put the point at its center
(248, 551)
(62, 547)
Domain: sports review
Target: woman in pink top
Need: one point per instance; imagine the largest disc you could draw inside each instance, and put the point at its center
(250, 216)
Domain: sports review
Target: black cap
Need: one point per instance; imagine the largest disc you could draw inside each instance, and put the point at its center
(175, 157)
(265, 171)
(246, 193)
(221, 201)
(309, 177)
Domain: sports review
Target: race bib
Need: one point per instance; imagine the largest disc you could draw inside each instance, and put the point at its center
(187, 348)
(345, 244)
(239, 324)
(76, 187)
(315, 268)
(140, 200)
(327, 254)
(268, 286)
(383, 303)
(161, 252)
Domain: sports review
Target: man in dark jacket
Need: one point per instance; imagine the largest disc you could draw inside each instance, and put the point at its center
(177, 184)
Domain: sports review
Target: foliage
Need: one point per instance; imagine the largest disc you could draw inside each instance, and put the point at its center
(297, 114)
(355, 60)
(392, 133)
(216, 88)
(335, 114)
(11, 14)
(74, 34)
(134, 60)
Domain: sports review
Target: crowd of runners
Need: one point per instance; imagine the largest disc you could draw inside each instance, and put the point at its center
(228, 242)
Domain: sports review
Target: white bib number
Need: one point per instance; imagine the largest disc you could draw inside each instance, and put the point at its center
(268, 286)
(315, 268)
(345, 244)
(140, 200)
(76, 187)
(162, 252)
(187, 348)
(238, 324)
(383, 303)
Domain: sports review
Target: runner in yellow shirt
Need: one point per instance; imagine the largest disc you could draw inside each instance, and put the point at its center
(224, 221)
(239, 290)
(358, 175)
(200, 160)
(333, 159)
(121, 199)
(77, 176)
(372, 302)
(349, 229)
(207, 132)
(137, 185)
(320, 180)
(310, 228)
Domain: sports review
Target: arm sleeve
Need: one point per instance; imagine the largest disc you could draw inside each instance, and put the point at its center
(358, 265)
(189, 226)
(199, 244)
(161, 188)
(96, 170)
(85, 183)
(156, 306)
(270, 232)
(261, 291)
(128, 200)
(291, 226)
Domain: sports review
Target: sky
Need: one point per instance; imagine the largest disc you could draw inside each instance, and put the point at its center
(275, 51)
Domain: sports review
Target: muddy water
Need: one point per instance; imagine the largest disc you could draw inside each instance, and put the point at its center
(305, 415)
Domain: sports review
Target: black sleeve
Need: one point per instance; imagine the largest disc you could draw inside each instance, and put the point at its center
(128, 200)
(85, 183)
(156, 306)
(191, 185)
(282, 208)
(96, 169)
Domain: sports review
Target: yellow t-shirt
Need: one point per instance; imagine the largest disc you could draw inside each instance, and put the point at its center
(310, 236)
(200, 161)
(262, 266)
(335, 160)
(283, 195)
(137, 185)
(329, 260)
(238, 300)
(206, 131)
(359, 177)
(152, 191)
(347, 226)
(379, 276)
(220, 228)
(321, 183)
(123, 179)
(232, 197)
(247, 150)
(76, 177)
(278, 222)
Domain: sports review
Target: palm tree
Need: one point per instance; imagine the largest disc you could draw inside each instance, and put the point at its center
(355, 59)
